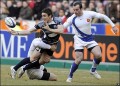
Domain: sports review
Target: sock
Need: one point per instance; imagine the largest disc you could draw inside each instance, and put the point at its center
(74, 67)
(21, 63)
(95, 64)
(35, 64)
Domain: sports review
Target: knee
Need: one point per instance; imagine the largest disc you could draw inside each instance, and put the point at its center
(79, 57)
(47, 61)
(78, 60)
(98, 55)
(41, 62)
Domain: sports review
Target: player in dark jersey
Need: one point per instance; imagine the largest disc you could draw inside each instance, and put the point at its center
(48, 40)
(39, 72)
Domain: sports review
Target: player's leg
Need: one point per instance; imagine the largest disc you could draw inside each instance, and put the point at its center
(33, 64)
(17, 66)
(41, 75)
(34, 53)
(52, 77)
(96, 61)
(38, 44)
(74, 66)
(45, 58)
(24, 61)
(79, 56)
(35, 47)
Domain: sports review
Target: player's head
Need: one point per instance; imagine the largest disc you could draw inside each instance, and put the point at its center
(77, 7)
(47, 14)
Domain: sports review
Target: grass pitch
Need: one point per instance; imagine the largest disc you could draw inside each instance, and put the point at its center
(81, 77)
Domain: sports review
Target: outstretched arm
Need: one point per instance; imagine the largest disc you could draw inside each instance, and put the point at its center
(25, 32)
(59, 30)
(107, 19)
(114, 28)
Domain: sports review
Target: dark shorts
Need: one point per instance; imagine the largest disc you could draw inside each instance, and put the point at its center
(81, 50)
(45, 76)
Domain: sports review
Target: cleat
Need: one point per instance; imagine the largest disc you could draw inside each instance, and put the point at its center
(69, 80)
(21, 72)
(13, 72)
(95, 74)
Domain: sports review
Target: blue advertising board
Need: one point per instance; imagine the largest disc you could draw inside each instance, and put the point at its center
(98, 29)
(15, 46)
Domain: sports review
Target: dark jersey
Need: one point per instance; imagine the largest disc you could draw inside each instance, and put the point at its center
(49, 37)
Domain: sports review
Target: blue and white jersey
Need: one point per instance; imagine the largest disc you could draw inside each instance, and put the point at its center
(49, 37)
(82, 24)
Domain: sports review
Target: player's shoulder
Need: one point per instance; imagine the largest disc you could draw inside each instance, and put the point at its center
(88, 12)
(71, 17)
(57, 20)
(40, 23)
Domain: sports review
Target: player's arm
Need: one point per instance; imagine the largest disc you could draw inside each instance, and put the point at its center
(60, 28)
(29, 31)
(107, 19)
(25, 32)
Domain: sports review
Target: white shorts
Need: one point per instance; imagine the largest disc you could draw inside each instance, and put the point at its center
(79, 44)
(37, 42)
(34, 73)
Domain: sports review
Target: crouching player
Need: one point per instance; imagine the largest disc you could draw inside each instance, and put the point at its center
(43, 58)
(40, 74)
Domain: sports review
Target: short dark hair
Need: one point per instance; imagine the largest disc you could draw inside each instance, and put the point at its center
(78, 3)
(48, 11)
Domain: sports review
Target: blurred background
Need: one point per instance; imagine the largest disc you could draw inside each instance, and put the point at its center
(31, 9)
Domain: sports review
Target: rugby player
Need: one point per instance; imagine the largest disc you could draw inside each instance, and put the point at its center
(81, 21)
(48, 41)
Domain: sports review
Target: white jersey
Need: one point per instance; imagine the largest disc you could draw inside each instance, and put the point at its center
(82, 27)
(83, 22)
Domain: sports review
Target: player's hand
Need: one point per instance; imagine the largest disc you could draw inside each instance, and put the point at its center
(13, 32)
(46, 26)
(53, 47)
(115, 29)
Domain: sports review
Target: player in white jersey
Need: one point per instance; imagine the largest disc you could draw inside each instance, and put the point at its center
(81, 21)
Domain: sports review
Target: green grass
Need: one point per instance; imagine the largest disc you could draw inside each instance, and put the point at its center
(81, 77)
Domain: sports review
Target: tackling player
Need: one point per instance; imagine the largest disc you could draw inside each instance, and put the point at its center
(40, 74)
(48, 39)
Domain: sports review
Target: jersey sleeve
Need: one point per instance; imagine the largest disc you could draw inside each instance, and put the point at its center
(58, 20)
(99, 15)
(94, 14)
(39, 25)
(68, 22)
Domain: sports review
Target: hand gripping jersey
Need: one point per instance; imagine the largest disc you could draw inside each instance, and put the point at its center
(49, 37)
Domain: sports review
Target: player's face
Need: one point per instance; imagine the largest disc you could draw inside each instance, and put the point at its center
(45, 17)
(77, 10)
